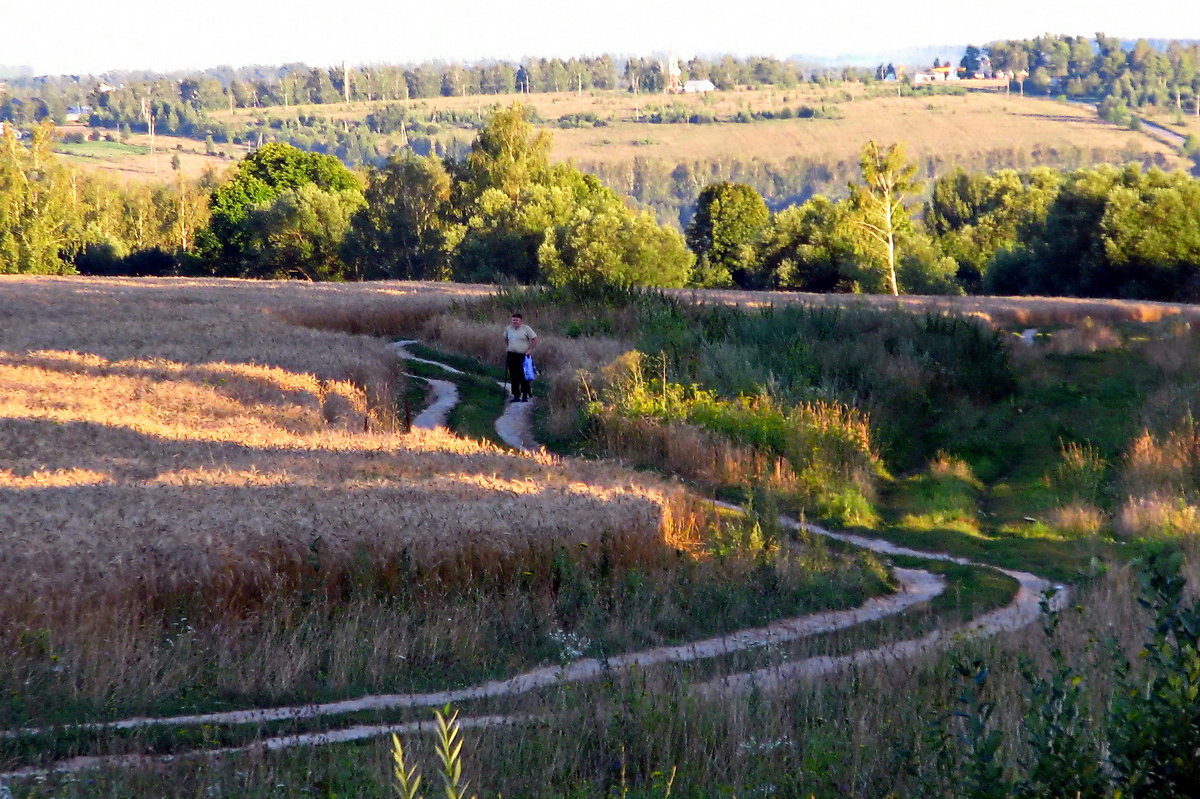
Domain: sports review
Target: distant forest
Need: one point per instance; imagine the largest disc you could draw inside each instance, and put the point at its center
(1118, 76)
(1137, 74)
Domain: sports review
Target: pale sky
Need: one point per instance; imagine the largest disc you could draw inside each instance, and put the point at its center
(75, 36)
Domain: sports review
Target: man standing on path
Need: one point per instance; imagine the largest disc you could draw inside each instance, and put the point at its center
(521, 341)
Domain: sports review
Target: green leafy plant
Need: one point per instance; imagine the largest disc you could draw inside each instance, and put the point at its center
(1064, 749)
(1154, 720)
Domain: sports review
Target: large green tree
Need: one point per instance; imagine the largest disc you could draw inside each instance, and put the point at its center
(808, 247)
(1110, 233)
(40, 226)
(974, 216)
(300, 233)
(405, 231)
(507, 195)
(257, 180)
(607, 243)
(729, 217)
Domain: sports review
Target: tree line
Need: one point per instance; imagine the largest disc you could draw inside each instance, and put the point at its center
(119, 96)
(58, 220)
(1145, 72)
(504, 212)
(1103, 231)
(1101, 69)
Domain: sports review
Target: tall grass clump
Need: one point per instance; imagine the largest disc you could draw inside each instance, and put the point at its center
(819, 450)
(944, 497)
(1115, 727)
(1161, 483)
(1079, 485)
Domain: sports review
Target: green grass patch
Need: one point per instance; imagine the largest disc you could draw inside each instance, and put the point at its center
(929, 501)
(103, 150)
(480, 402)
(463, 363)
(1042, 552)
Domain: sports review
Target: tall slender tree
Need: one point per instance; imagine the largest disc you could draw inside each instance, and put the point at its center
(879, 203)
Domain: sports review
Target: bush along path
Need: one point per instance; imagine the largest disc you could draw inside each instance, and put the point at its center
(915, 586)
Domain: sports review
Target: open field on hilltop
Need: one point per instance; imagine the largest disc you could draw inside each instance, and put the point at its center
(608, 105)
(952, 128)
(611, 106)
(983, 129)
(1169, 120)
(132, 160)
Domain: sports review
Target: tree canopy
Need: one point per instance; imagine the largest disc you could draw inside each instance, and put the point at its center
(729, 218)
(259, 179)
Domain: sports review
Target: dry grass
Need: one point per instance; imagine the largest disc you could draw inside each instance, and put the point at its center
(952, 128)
(167, 437)
(1085, 337)
(998, 311)
(1159, 480)
(551, 105)
(1157, 516)
(1077, 519)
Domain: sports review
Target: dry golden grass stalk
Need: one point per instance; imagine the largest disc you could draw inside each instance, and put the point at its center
(1078, 519)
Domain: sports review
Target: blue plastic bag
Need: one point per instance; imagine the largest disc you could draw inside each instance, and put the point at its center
(530, 372)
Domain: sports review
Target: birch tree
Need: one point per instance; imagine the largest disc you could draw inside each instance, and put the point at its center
(879, 205)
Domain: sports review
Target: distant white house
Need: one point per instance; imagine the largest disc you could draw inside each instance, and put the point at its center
(698, 86)
(935, 75)
(77, 112)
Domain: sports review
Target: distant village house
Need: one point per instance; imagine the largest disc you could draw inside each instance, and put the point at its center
(698, 86)
(936, 75)
(77, 112)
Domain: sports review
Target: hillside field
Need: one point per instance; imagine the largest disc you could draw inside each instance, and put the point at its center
(980, 129)
(132, 159)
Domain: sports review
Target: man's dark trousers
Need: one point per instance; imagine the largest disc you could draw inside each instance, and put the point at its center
(516, 375)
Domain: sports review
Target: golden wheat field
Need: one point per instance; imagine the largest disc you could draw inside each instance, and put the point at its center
(163, 436)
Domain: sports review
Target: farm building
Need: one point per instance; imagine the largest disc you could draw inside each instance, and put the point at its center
(698, 87)
(935, 75)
